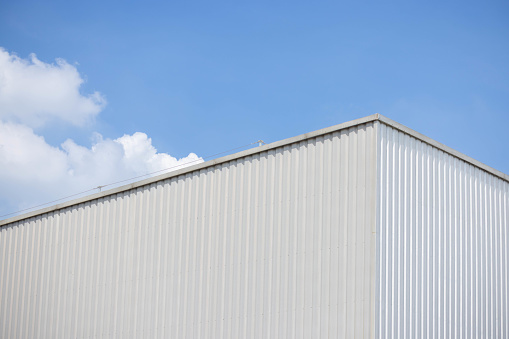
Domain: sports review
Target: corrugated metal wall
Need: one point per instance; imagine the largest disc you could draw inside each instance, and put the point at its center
(442, 249)
(280, 244)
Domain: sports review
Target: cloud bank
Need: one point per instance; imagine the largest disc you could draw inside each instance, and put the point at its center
(30, 168)
(33, 172)
(33, 92)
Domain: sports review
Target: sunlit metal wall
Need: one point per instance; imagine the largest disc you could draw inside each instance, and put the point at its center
(442, 248)
(277, 244)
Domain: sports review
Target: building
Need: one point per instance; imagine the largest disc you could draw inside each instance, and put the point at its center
(366, 229)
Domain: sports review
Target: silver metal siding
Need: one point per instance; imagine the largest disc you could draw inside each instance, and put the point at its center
(278, 244)
(442, 248)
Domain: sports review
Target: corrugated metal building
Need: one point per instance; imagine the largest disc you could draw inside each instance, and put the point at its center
(362, 230)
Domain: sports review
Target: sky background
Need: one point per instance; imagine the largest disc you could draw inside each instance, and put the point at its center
(122, 88)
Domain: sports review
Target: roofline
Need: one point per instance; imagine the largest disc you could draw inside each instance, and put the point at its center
(242, 154)
(442, 147)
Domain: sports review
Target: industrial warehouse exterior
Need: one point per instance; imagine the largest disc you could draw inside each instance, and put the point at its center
(366, 229)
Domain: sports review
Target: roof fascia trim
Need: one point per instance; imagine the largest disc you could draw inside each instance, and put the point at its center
(442, 147)
(259, 149)
(193, 168)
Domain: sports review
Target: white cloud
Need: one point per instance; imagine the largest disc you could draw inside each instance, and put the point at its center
(33, 92)
(33, 172)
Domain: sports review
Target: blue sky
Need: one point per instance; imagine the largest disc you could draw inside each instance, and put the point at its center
(206, 77)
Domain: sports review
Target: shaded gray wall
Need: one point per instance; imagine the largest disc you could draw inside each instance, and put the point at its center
(278, 244)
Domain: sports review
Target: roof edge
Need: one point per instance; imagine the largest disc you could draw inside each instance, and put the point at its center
(245, 153)
(442, 147)
(192, 168)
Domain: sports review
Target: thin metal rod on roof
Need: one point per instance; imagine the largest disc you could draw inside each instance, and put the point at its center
(100, 187)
